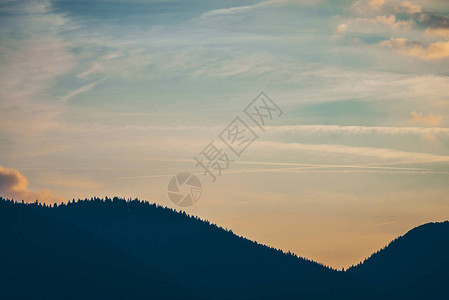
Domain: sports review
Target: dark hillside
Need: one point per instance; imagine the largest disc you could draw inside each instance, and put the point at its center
(43, 257)
(117, 249)
(414, 266)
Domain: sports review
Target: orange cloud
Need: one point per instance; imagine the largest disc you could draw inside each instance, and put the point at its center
(436, 50)
(444, 32)
(410, 8)
(342, 28)
(428, 120)
(390, 21)
(365, 6)
(14, 185)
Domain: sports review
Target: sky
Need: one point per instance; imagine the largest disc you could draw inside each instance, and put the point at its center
(113, 98)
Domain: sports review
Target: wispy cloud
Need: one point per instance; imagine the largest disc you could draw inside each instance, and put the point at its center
(238, 9)
(270, 167)
(378, 155)
(81, 90)
(95, 67)
(366, 130)
(101, 64)
(33, 55)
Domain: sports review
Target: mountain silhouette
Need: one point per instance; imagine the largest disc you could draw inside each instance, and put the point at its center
(414, 266)
(43, 257)
(112, 248)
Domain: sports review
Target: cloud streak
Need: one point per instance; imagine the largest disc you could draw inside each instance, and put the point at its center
(360, 130)
(379, 154)
(239, 9)
(81, 90)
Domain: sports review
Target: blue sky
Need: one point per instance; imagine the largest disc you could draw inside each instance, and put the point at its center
(114, 97)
